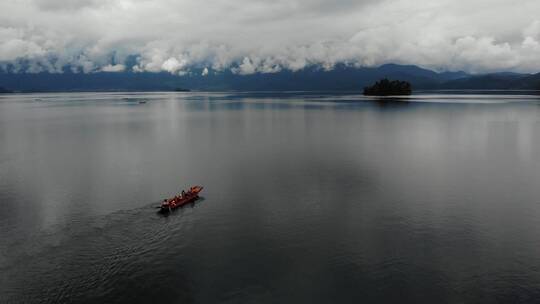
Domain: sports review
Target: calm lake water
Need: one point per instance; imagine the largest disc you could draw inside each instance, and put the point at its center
(308, 198)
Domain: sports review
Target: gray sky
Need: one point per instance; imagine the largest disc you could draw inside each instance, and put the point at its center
(266, 36)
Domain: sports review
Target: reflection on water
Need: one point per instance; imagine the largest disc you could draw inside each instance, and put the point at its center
(312, 198)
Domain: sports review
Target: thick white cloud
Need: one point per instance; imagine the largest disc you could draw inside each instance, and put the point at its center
(250, 36)
(113, 68)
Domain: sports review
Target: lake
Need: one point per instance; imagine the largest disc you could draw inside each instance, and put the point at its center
(312, 198)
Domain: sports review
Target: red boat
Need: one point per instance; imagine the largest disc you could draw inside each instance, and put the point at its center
(186, 197)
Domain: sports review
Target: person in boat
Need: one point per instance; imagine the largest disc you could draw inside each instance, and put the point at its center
(183, 193)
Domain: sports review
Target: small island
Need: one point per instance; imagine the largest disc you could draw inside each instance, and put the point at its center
(387, 87)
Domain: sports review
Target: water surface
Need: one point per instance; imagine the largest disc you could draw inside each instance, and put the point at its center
(313, 198)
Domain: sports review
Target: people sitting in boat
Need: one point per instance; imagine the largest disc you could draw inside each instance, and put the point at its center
(183, 193)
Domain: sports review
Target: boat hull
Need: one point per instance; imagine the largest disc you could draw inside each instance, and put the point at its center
(178, 205)
(175, 203)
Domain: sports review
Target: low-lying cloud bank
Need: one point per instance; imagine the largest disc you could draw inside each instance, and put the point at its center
(256, 36)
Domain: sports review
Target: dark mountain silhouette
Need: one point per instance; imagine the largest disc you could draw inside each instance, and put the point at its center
(531, 82)
(407, 71)
(496, 81)
(341, 78)
(314, 78)
(4, 91)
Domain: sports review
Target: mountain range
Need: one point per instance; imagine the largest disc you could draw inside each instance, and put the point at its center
(341, 78)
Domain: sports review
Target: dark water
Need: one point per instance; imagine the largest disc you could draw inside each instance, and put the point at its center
(308, 198)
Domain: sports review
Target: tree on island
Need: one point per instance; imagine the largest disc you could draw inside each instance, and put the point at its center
(387, 87)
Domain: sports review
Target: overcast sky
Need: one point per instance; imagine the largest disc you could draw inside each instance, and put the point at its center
(251, 36)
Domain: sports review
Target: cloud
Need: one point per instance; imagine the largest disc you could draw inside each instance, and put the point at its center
(257, 36)
(113, 68)
(173, 65)
(66, 5)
